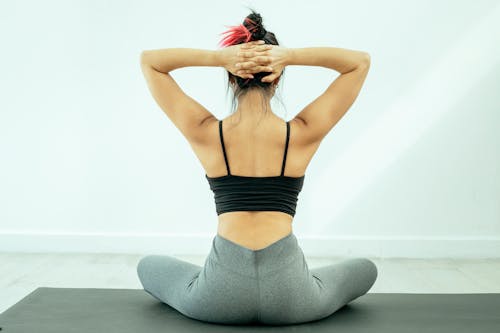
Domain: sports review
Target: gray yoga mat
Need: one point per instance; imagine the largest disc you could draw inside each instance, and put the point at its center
(75, 310)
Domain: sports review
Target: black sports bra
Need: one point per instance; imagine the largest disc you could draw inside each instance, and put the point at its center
(245, 193)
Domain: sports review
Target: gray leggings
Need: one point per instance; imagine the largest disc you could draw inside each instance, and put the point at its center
(271, 286)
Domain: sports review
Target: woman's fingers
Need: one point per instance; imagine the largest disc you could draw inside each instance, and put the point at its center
(258, 47)
(268, 78)
(261, 61)
(253, 57)
(250, 54)
(254, 51)
(252, 44)
(255, 69)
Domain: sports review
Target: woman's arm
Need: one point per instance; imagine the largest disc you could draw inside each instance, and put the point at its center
(166, 60)
(339, 59)
(187, 114)
(321, 115)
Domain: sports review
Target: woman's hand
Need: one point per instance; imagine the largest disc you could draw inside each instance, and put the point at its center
(253, 57)
(274, 59)
(271, 58)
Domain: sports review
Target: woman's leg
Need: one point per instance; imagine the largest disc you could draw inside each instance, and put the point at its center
(296, 294)
(166, 278)
(271, 286)
(343, 282)
(212, 293)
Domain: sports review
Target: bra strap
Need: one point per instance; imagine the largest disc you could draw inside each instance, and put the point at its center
(223, 147)
(286, 147)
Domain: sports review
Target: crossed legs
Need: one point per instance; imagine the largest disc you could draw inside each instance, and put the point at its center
(218, 294)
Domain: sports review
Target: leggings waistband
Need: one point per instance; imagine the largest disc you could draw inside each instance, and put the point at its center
(244, 260)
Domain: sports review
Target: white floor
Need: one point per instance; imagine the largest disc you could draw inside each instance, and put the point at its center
(22, 273)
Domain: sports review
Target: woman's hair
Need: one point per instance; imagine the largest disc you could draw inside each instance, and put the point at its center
(251, 29)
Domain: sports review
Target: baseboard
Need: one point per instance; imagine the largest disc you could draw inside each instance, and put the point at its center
(199, 244)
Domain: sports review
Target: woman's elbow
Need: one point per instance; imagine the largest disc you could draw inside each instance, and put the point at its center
(365, 59)
(144, 58)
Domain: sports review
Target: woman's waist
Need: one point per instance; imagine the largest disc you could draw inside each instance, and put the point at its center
(254, 230)
(283, 253)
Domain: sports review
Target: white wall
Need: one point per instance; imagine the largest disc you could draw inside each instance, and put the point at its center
(90, 163)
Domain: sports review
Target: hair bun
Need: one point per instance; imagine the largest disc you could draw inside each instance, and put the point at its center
(253, 22)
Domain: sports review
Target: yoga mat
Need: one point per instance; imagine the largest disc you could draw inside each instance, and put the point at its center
(75, 310)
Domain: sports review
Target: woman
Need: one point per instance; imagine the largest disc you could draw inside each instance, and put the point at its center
(256, 271)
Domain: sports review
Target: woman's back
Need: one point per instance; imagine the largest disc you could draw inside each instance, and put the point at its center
(255, 146)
